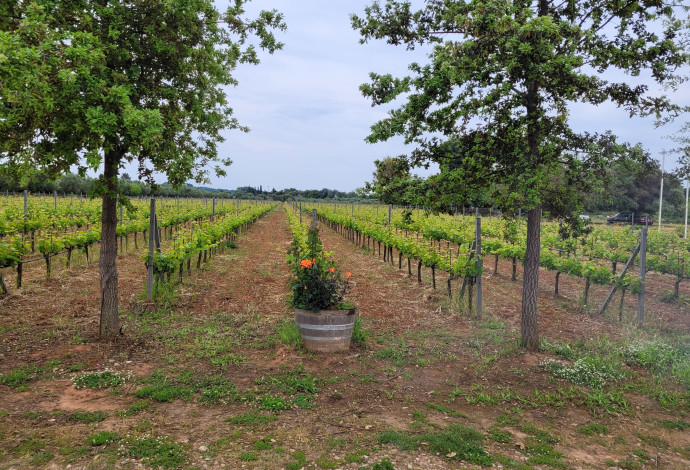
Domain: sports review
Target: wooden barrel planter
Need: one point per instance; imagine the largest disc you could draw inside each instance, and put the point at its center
(326, 330)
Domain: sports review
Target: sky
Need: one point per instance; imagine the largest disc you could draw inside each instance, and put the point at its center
(308, 119)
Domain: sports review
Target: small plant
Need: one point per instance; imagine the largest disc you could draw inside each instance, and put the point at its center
(288, 332)
(136, 408)
(102, 438)
(248, 456)
(678, 425)
(455, 442)
(593, 429)
(359, 336)
(590, 371)
(273, 403)
(157, 452)
(105, 379)
(500, 436)
(89, 417)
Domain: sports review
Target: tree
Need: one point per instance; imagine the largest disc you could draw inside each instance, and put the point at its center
(98, 83)
(393, 183)
(495, 93)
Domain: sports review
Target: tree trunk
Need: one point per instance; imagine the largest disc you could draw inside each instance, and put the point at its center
(110, 322)
(530, 285)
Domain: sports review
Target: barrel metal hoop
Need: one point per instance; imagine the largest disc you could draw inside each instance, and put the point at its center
(308, 326)
(326, 338)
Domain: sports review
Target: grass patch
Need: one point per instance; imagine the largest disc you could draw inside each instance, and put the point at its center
(593, 429)
(89, 416)
(136, 408)
(288, 332)
(102, 438)
(677, 425)
(443, 409)
(98, 380)
(27, 373)
(294, 387)
(248, 456)
(501, 436)
(591, 370)
(455, 442)
(156, 452)
(165, 387)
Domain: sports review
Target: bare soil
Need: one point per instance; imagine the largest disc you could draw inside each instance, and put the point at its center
(422, 357)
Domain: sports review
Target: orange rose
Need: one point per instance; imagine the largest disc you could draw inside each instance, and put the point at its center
(331, 270)
(305, 264)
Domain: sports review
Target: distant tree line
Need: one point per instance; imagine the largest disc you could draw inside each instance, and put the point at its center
(75, 184)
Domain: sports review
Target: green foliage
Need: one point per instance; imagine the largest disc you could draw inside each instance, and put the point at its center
(89, 416)
(156, 452)
(289, 333)
(359, 335)
(164, 387)
(136, 408)
(593, 429)
(273, 403)
(590, 370)
(677, 425)
(105, 379)
(500, 435)
(384, 464)
(462, 443)
(248, 456)
(661, 357)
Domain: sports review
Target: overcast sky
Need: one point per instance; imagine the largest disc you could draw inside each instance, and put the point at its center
(308, 119)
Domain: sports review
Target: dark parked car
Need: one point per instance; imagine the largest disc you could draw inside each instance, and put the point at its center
(627, 218)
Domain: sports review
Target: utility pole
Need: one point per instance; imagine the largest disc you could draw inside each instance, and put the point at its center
(661, 191)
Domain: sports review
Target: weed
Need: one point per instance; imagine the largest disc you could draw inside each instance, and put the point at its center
(76, 367)
(653, 440)
(293, 466)
(156, 452)
(89, 417)
(28, 446)
(163, 392)
(263, 444)
(443, 409)
(641, 453)
(660, 356)
(248, 456)
(590, 370)
(105, 379)
(25, 374)
(102, 438)
(136, 408)
(560, 349)
(500, 436)
(359, 335)
(678, 425)
(593, 429)
(41, 458)
(273, 403)
(288, 332)
(384, 464)
(324, 462)
(461, 443)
